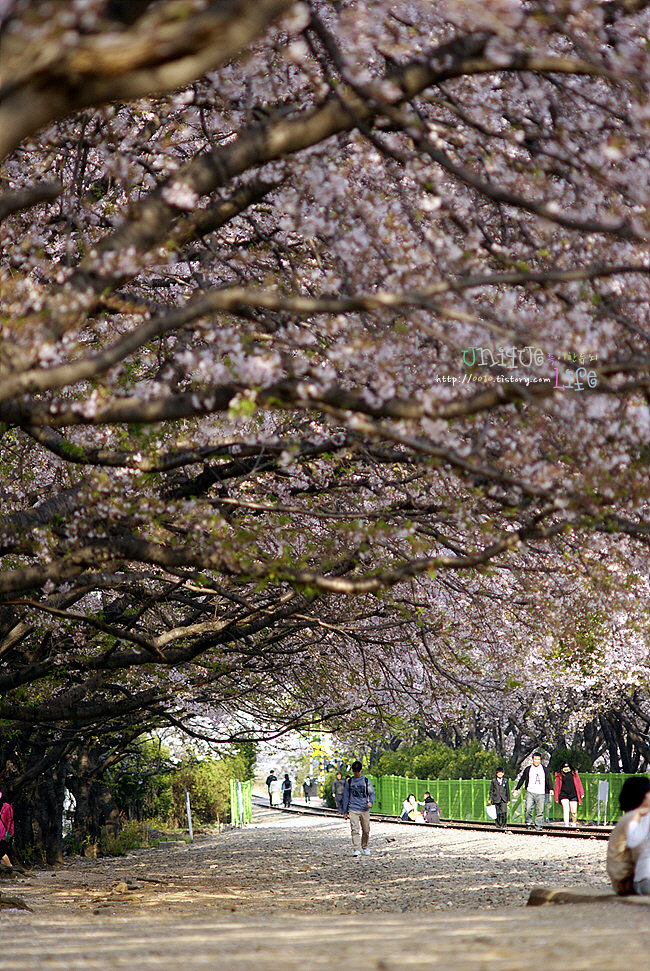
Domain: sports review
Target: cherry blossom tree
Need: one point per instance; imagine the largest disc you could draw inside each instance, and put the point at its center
(324, 371)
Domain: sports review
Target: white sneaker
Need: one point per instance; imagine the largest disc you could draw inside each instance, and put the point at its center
(366, 852)
(357, 853)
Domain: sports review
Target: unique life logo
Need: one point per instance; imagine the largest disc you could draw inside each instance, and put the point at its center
(509, 358)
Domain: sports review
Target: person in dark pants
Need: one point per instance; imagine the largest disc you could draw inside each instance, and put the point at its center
(286, 791)
(337, 791)
(271, 777)
(306, 790)
(499, 797)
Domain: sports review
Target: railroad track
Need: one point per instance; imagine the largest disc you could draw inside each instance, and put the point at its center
(580, 832)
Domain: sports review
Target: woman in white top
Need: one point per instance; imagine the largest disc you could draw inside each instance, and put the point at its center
(410, 808)
(638, 834)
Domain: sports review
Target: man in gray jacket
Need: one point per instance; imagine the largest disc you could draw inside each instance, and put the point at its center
(358, 797)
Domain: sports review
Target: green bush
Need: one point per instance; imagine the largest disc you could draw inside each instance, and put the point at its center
(141, 784)
(330, 801)
(435, 760)
(132, 836)
(148, 786)
(576, 757)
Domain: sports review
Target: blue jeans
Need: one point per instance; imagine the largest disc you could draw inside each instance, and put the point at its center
(642, 886)
(536, 800)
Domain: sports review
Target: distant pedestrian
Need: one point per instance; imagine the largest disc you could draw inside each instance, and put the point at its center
(271, 777)
(338, 786)
(358, 797)
(286, 791)
(568, 792)
(537, 782)
(431, 809)
(499, 797)
(621, 858)
(275, 792)
(306, 790)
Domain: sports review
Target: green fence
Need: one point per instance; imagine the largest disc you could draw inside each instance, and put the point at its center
(241, 806)
(467, 798)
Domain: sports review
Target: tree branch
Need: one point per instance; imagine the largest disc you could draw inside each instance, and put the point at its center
(161, 51)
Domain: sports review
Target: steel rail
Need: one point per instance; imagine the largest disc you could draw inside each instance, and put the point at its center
(579, 832)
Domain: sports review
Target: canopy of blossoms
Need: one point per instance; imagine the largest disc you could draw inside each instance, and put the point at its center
(324, 361)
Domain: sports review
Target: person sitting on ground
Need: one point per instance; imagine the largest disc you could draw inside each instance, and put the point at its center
(621, 858)
(638, 836)
(431, 809)
(568, 792)
(410, 808)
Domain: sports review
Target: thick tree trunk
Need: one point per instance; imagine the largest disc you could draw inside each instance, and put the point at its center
(38, 817)
(614, 761)
(96, 812)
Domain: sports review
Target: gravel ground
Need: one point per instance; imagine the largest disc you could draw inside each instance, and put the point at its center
(287, 892)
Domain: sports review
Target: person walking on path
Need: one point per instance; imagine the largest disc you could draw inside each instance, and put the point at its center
(275, 792)
(337, 791)
(568, 792)
(271, 777)
(358, 797)
(499, 797)
(6, 832)
(536, 780)
(286, 791)
(306, 790)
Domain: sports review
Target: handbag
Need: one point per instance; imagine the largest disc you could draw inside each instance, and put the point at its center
(491, 812)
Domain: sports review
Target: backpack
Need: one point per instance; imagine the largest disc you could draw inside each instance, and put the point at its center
(6, 821)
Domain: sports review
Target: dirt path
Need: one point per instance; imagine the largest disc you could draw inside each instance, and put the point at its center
(286, 892)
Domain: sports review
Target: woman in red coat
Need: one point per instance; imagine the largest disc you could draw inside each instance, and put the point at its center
(568, 792)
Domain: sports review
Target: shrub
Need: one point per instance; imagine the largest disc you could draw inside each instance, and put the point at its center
(576, 757)
(148, 786)
(435, 760)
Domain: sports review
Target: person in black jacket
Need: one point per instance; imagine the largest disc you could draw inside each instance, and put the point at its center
(271, 777)
(499, 797)
(287, 788)
(537, 781)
